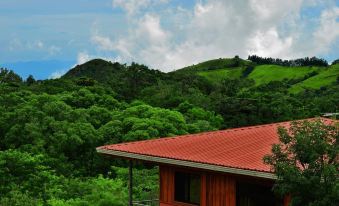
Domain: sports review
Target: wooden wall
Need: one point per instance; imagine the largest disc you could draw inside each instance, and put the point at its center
(166, 184)
(220, 190)
(216, 190)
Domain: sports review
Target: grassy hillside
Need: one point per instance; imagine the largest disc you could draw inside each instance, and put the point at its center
(139, 76)
(216, 64)
(324, 78)
(264, 74)
(300, 78)
(217, 69)
(219, 74)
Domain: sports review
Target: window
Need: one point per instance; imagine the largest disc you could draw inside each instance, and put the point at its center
(187, 188)
(256, 195)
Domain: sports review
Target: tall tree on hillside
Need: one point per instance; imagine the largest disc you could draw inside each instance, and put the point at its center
(306, 163)
(30, 80)
(8, 76)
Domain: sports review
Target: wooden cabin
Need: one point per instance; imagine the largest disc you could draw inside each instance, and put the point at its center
(218, 168)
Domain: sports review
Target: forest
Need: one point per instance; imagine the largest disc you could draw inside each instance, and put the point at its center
(49, 129)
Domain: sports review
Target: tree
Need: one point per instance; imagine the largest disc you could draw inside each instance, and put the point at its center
(306, 163)
(8, 76)
(30, 80)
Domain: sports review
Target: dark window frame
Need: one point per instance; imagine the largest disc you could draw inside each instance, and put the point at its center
(188, 173)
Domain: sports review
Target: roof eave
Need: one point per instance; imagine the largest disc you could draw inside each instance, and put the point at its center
(162, 160)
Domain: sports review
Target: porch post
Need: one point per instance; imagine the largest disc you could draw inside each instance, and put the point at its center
(130, 184)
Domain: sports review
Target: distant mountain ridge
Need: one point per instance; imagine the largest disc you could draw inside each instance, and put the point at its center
(139, 76)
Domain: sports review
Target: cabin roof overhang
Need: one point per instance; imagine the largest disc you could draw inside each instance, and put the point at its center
(190, 164)
(238, 151)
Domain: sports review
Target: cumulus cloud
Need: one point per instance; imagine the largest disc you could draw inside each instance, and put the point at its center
(269, 43)
(83, 57)
(328, 31)
(274, 11)
(178, 37)
(103, 43)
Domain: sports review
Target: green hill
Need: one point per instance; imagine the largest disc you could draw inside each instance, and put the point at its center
(137, 77)
(126, 80)
(298, 77)
(325, 77)
(216, 64)
(107, 72)
(264, 74)
(219, 74)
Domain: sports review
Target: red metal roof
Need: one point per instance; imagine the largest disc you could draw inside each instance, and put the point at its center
(242, 148)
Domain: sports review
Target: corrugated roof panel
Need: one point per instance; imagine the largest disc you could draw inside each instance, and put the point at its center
(242, 148)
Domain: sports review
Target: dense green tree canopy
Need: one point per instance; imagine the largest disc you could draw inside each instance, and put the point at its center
(306, 163)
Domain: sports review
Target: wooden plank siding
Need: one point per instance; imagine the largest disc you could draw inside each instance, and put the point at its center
(216, 190)
(221, 190)
(166, 184)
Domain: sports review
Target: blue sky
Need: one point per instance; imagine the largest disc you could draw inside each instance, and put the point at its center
(46, 38)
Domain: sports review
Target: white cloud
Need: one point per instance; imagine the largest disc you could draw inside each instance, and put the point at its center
(103, 43)
(147, 34)
(269, 43)
(275, 10)
(52, 50)
(179, 37)
(150, 29)
(84, 57)
(40, 44)
(328, 31)
(57, 74)
(133, 6)
(34, 45)
(15, 44)
(18, 44)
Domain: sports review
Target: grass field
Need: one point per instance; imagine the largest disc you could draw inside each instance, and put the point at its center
(324, 78)
(266, 73)
(216, 64)
(219, 69)
(219, 74)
